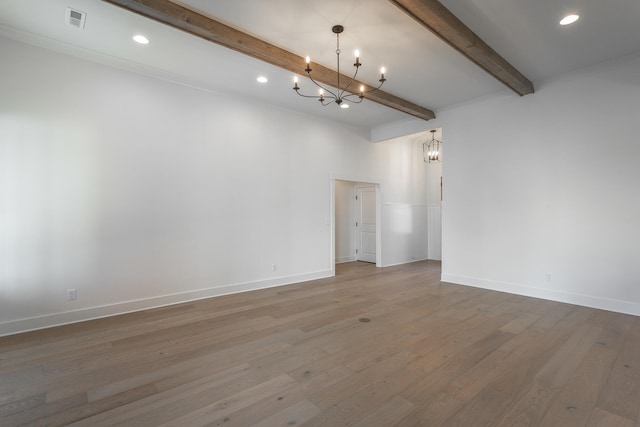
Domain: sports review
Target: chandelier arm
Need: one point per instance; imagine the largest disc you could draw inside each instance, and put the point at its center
(347, 86)
(311, 96)
(376, 88)
(333, 95)
(347, 98)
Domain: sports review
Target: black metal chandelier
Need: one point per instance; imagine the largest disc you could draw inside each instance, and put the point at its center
(327, 96)
(431, 149)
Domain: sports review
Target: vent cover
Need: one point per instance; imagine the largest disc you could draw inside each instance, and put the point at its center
(75, 18)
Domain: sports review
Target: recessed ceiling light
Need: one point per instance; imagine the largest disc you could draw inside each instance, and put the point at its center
(569, 19)
(262, 79)
(344, 106)
(139, 38)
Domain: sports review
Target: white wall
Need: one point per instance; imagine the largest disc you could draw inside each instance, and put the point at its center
(139, 192)
(548, 184)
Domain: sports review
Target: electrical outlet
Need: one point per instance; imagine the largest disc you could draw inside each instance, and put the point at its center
(274, 267)
(548, 277)
(72, 294)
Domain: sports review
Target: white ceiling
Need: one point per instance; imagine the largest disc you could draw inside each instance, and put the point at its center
(420, 67)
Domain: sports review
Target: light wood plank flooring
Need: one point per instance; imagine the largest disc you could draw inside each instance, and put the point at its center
(370, 347)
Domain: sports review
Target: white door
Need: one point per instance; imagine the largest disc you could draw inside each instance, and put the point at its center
(366, 224)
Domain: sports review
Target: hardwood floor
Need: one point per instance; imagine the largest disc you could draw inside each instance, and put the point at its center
(370, 347)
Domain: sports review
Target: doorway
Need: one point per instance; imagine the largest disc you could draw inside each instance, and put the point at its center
(355, 231)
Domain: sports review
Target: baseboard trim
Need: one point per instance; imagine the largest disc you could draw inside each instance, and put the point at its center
(341, 260)
(618, 306)
(405, 262)
(64, 318)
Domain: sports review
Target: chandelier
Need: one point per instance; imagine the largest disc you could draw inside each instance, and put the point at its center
(327, 96)
(431, 149)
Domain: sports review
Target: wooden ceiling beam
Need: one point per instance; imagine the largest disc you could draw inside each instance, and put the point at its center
(207, 28)
(438, 19)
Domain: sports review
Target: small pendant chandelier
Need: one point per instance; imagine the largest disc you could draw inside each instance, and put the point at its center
(326, 96)
(431, 149)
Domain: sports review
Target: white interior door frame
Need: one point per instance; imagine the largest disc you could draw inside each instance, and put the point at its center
(374, 182)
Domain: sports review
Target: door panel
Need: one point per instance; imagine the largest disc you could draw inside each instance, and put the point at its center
(366, 224)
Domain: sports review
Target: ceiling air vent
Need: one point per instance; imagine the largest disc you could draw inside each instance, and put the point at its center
(75, 18)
